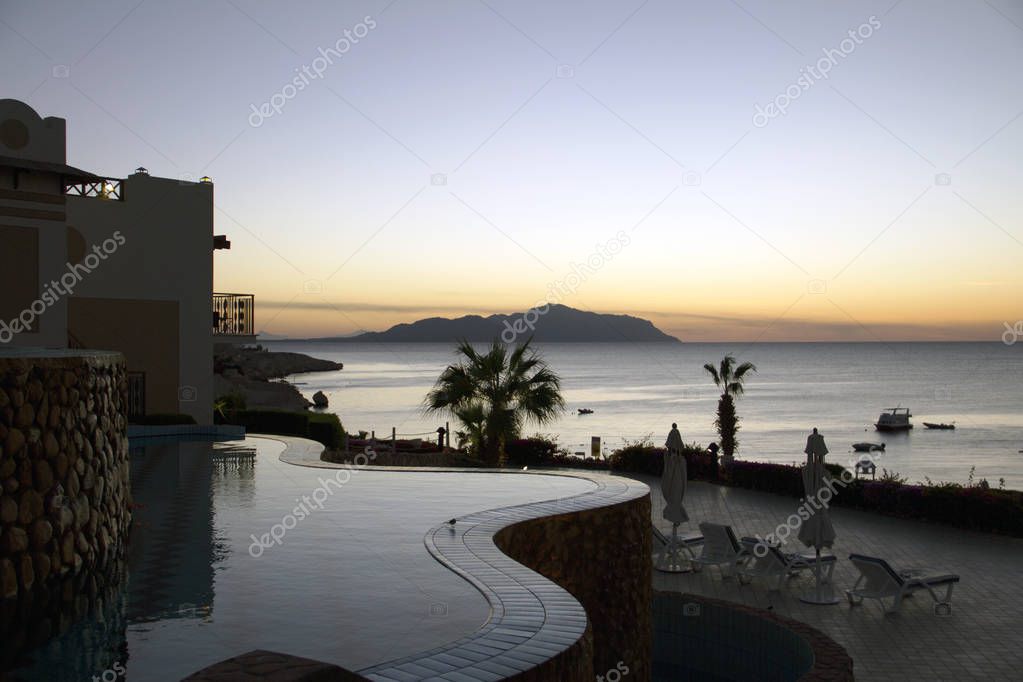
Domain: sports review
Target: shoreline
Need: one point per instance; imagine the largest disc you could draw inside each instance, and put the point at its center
(257, 375)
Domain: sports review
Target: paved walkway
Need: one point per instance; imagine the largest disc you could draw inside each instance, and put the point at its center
(982, 639)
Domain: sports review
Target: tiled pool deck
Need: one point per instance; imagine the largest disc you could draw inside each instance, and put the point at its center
(980, 640)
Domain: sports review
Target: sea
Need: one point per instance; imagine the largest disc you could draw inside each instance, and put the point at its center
(637, 390)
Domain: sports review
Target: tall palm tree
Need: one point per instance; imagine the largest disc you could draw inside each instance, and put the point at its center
(494, 394)
(730, 379)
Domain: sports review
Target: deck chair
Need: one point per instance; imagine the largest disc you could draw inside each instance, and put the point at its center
(686, 541)
(878, 580)
(720, 548)
(774, 564)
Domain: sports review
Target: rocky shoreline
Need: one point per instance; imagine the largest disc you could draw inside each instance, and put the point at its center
(256, 375)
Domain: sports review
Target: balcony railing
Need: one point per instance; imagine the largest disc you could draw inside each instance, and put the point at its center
(233, 314)
(104, 188)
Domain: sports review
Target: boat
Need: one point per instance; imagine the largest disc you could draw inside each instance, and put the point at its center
(868, 447)
(585, 410)
(894, 419)
(939, 426)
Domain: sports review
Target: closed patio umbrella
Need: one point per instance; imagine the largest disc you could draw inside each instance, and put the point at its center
(673, 488)
(817, 531)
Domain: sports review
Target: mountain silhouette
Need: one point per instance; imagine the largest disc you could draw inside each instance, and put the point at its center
(559, 324)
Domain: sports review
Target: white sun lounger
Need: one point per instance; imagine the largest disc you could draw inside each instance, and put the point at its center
(720, 548)
(686, 542)
(771, 563)
(878, 580)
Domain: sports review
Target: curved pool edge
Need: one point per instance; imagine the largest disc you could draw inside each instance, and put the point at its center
(536, 626)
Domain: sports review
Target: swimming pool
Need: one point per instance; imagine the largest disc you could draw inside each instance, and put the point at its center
(233, 550)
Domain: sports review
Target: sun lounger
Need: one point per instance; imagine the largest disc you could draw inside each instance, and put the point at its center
(720, 548)
(687, 541)
(878, 580)
(767, 561)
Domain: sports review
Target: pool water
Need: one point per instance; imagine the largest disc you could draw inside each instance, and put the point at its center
(233, 550)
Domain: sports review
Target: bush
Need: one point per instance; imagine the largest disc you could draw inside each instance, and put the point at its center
(326, 428)
(639, 458)
(533, 451)
(163, 420)
(644, 458)
(280, 422)
(322, 427)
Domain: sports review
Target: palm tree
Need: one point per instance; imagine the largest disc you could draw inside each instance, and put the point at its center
(494, 394)
(729, 379)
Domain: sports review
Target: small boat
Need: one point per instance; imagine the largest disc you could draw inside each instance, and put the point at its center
(585, 410)
(868, 447)
(939, 426)
(894, 419)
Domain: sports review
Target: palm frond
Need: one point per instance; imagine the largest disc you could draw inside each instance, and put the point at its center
(713, 371)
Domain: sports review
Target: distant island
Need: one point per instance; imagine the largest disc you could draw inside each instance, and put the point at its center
(559, 324)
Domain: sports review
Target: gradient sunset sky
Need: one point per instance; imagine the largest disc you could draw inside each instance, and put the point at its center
(465, 155)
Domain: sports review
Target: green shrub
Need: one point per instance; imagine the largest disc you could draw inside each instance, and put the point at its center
(326, 428)
(644, 458)
(280, 422)
(163, 420)
(322, 427)
(533, 451)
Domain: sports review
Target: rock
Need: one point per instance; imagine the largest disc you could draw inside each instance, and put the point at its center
(15, 442)
(34, 391)
(15, 540)
(88, 478)
(50, 445)
(10, 485)
(67, 548)
(42, 565)
(319, 399)
(8, 510)
(43, 475)
(25, 415)
(61, 465)
(41, 534)
(80, 508)
(8, 579)
(7, 467)
(30, 507)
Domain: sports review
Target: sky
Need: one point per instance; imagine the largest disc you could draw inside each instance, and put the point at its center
(747, 171)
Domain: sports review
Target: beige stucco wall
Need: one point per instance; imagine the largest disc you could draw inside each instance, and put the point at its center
(164, 234)
(32, 201)
(144, 332)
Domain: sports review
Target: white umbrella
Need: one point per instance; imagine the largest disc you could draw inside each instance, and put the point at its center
(817, 531)
(673, 488)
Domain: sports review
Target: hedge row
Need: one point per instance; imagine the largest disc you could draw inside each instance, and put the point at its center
(973, 507)
(322, 427)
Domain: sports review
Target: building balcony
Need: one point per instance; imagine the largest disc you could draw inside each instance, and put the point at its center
(233, 318)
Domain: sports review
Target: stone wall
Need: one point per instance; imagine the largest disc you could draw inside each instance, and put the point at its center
(699, 635)
(602, 557)
(65, 503)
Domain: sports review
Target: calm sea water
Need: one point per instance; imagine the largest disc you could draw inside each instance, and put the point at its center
(638, 390)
